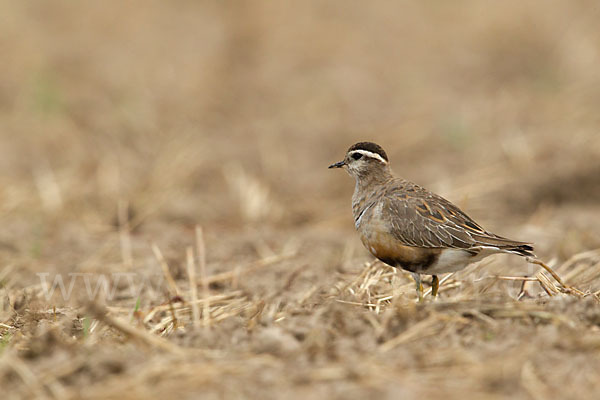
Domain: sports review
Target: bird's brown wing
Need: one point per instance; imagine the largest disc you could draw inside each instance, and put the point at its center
(417, 217)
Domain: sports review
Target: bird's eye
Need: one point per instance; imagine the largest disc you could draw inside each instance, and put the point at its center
(357, 156)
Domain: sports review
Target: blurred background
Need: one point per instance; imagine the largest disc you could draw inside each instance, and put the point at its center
(166, 115)
(227, 115)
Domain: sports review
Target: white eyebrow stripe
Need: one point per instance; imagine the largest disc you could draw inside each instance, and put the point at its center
(369, 154)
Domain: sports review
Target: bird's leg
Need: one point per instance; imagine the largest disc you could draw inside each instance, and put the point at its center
(419, 285)
(435, 285)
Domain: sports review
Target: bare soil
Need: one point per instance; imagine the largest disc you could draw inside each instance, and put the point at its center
(168, 162)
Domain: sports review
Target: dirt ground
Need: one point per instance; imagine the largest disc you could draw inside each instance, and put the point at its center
(167, 163)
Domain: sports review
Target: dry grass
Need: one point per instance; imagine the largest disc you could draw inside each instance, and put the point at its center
(124, 128)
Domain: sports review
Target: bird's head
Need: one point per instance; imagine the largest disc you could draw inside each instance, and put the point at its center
(363, 160)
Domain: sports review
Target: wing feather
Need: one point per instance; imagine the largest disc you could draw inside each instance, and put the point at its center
(418, 217)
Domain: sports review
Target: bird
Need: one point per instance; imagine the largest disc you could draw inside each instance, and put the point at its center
(406, 226)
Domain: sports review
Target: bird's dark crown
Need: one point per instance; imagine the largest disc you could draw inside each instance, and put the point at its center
(370, 146)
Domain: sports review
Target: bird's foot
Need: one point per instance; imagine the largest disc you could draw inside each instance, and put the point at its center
(435, 286)
(419, 286)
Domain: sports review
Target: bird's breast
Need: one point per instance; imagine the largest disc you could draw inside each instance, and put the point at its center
(383, 245)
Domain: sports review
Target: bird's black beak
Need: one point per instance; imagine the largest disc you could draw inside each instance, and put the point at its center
(338, 164)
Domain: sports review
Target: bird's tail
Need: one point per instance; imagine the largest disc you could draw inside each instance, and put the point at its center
(507, 245)
(525, 250)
